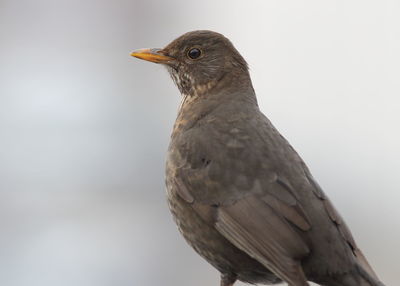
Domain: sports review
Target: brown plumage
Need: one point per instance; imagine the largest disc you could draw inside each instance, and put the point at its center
(240, 194)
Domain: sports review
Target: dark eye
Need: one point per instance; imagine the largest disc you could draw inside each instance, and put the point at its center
(194, 53)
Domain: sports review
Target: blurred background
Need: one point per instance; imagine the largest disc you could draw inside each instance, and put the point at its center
(84, 128)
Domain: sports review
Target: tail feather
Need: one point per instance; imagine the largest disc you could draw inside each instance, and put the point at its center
(363, 266)
(359, 277)
(362, 274)
(368, 277)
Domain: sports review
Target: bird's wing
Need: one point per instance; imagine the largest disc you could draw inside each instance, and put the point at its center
(265, 222)
(261, 232)
(237, 188)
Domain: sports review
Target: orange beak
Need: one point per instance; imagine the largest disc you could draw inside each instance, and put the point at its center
(152, 55)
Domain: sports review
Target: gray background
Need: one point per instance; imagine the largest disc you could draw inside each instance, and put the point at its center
(84, 128)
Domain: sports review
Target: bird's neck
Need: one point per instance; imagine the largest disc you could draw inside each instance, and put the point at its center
(219, 100)
(229, 87)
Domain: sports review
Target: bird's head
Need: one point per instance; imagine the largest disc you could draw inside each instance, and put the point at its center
(200, 61)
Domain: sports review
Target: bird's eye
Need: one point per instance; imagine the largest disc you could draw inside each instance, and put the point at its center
(194, 53)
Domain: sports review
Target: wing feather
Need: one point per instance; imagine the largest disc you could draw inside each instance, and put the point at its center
(255, 228)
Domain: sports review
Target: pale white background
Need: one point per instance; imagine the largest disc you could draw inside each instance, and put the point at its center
(84, 128)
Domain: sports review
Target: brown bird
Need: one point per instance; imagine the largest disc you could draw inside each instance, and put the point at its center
(239, 193)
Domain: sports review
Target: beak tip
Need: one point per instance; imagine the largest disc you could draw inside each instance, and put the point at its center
(139, 52)
(150, 55)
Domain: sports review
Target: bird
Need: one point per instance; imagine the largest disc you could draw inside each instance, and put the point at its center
(239, 193)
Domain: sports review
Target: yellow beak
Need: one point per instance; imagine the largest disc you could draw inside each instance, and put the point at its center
(152, 55)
